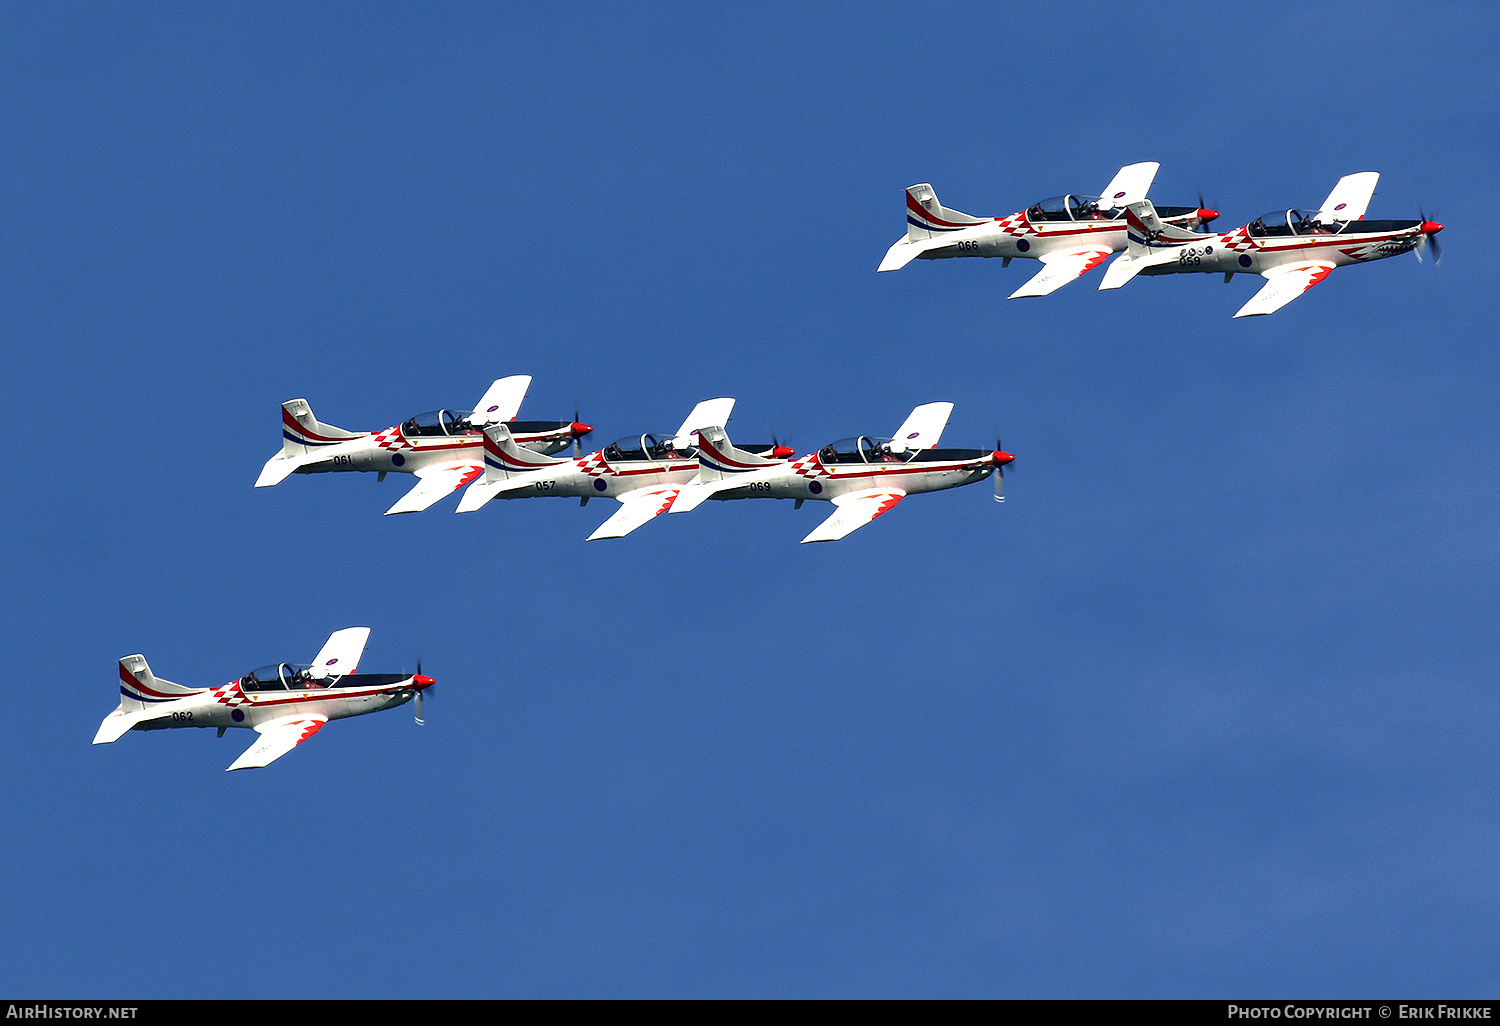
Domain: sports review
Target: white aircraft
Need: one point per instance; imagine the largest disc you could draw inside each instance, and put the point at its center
(1292, 249)
(285, 703)
(1070, 235)
(444, 448)
(863, 476)
(644, 473)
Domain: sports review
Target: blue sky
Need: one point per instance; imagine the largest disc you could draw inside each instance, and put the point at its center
(1207, 708)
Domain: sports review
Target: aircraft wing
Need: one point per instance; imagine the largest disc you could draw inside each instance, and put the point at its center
(1350, 197)
(922, 428)
(501, 401)
(635, 509)
(434, 482)
(1061, 267)
(708, 413)
(1284, 284)
(340, 653)
(855, 510)
(1129, 184)
(277, 737)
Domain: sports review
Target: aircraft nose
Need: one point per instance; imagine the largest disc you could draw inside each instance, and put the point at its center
(1205, 215)
(1431, 227)
(579, 430)
(781, 452)
(421, 681)
(1001, 458)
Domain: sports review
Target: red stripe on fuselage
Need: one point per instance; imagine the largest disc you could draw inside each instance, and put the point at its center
(916, 208)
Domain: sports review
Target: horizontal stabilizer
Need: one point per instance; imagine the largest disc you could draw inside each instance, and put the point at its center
(117, 723)
(279, 467)
(1121, 271)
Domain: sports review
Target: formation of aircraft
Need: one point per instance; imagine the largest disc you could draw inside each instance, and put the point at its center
(443, 449)
(862, 477)
(285, 703)
(1292, 249)
(1070, 234)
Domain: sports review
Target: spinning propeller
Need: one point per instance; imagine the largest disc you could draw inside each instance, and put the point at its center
(1205, 215)
(1001, 458)
(1429, 238)
(420, 684)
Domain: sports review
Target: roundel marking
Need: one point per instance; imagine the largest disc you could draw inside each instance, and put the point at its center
(1208, 249)
(332, 661)
(492, 409)
(1119, 194)
(1023, 245)
(398, 459)
(599, 484)
(1244, 260)
(237, 715)
(1341, 206)
(816, 487)
(914, 434)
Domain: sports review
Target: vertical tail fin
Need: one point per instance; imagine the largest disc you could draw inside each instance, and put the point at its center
(927, 218)
(302, 433)
(504, 461)
(721, 466)
(141, 689)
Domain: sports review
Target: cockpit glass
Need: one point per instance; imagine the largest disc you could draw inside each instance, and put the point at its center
(860, 449)
(438, 422)
(275, 677)
(1069, 207)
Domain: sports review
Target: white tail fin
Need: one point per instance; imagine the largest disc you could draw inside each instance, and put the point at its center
(504, 462)
(141, 693)
(721, 466)
(302, 433)
(1147, 234)
(926, 218)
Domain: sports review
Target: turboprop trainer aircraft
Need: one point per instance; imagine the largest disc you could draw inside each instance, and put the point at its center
(1292, 249)
(643, 473)
(444, 448)
(1070, 235)
(286, 703)
(863, 477)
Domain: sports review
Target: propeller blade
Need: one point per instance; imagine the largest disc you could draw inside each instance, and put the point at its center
(420, 721)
